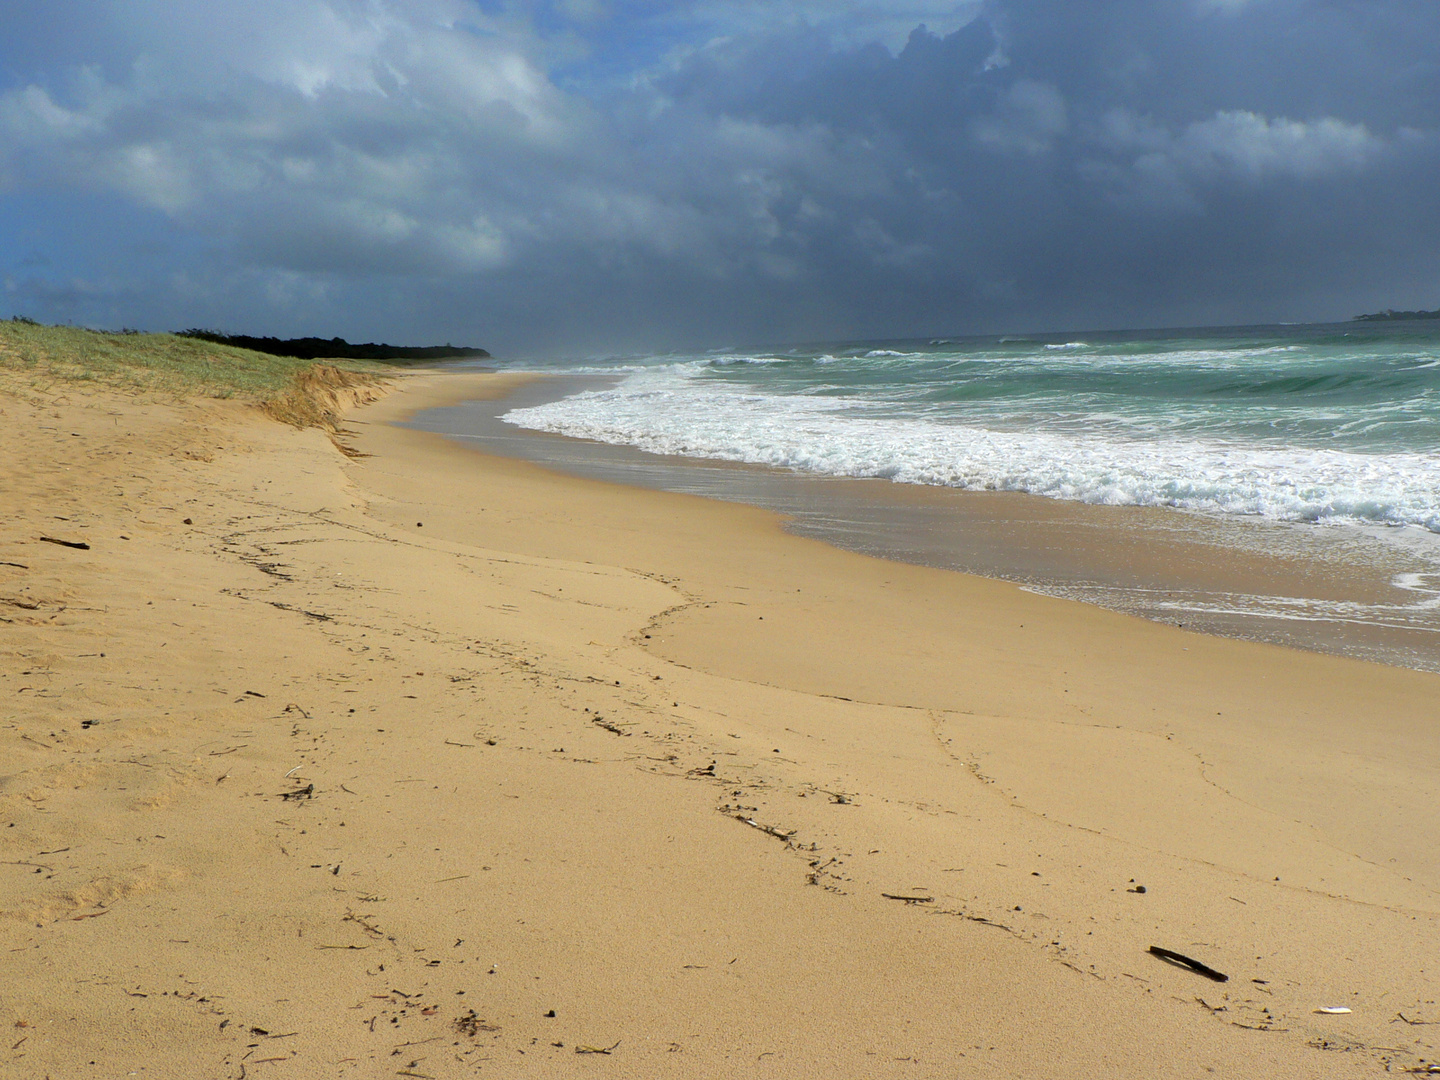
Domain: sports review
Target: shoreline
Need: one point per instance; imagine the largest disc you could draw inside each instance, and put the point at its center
(1337, 591)
(594, 768)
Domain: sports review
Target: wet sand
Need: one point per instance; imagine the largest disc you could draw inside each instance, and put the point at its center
(375, 764)
(1372, 594)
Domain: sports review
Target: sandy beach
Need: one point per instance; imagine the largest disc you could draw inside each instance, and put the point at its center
(426, 763)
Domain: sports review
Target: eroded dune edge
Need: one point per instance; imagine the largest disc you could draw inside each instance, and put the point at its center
(426, 763)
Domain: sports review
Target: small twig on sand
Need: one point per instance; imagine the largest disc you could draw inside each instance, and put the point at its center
(596, 1049)
(1185, 961)
(307, 792)
(613, 728)
(79, 545)
(364, 924)
(768, 830)
(909, 899)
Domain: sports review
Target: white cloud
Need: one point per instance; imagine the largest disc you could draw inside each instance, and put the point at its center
(345, 126)
(1160, 167)
(1256, 147)
(30, 114)
(849, 22)
(152, 175)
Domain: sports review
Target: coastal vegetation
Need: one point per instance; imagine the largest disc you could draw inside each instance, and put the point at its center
(282, 377)
(1391, 315)
(36, 359)
(166, 364)
(314, 348)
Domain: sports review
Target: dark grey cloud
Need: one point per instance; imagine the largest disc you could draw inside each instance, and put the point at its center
(594, 175)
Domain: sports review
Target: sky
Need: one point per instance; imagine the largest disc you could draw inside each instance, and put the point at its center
(574, 177)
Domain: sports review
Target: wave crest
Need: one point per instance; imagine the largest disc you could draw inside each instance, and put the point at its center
(672, 412)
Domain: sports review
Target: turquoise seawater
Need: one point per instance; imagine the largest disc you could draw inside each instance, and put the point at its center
(1326, 424)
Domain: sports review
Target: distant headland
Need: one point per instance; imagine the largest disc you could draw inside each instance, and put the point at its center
(314, 348)
(1397, 316)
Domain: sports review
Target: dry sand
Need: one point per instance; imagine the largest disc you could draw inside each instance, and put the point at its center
(432, 764)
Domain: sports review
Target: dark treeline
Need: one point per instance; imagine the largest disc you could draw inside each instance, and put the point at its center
(313, 348)
(1397, 316)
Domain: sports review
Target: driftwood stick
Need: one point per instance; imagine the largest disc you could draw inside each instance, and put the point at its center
(1185, 961)
(1413, 1023)
(77, 544)
(596, 1049)
(768, 830)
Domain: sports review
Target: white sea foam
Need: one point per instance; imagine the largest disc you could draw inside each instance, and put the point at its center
(1427, 585)
(1070, 355)
(1299, 609)
(669, 410)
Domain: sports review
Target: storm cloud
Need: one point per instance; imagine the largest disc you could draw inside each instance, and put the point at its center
(594, 175)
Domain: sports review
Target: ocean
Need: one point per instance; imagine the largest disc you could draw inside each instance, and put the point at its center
(1311, 444)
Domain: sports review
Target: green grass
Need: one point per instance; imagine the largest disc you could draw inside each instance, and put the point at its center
(36, 357)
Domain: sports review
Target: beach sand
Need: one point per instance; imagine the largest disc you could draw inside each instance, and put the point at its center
(428, 763)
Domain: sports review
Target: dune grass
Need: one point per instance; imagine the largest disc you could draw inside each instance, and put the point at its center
(35, 357)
